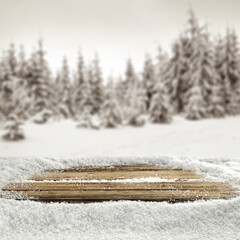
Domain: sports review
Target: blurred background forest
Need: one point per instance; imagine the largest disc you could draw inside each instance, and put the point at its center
(198, 79)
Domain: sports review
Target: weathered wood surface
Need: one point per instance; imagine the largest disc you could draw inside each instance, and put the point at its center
(115, 172)
(186, 187)
(172, 174)
(135, 167)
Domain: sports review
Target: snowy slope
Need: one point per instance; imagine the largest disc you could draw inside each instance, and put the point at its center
(217, 219)
(206, 138)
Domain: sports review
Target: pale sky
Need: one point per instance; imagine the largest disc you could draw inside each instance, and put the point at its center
(117, 29)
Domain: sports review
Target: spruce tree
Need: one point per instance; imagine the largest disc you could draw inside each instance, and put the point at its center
(148, 78)
(137, 104)
(13, 130)
(12, 60)
(96, 86)
(21, 69)
(227, 65)
(6, 87)
(173, 76)
(160, 109)
(213, 88)
(234, 72)
(201, 72)
(39, 81)
(130, 75)
(128, 90)
(65, 90)
(110, 114)
(87, 101)
(78, 86)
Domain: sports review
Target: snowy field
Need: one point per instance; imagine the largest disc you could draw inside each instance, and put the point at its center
(216, 219)
(207, 138)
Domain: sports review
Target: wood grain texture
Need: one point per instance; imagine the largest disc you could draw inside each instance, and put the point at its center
(114, 175)
(187, 185)
(108, 186)
(135, 167)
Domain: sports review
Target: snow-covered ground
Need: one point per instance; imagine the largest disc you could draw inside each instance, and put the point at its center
(212, 137)
(216, 219)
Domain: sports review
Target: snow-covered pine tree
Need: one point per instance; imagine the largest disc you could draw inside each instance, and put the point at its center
(20, 101)
(13, 130)
(127, 82)
(148, 78)
(234, 73)
(119, 90)
(78, 85)
(86, 118)
(160, 108)
(39, 82)
(13, 95)
(173, 76)
(137, 100)
(212, 87)
(21, 70)
(127, 91)
(199, 73)
(110, 114)
(223, 83)
(185, 50)
(57, 98)
(87, 98)
(12, 60)
(162, 60)
(227, 65)
(130, 75)
(65, 90)
(96, 82)
(6, 89)
(185, 74)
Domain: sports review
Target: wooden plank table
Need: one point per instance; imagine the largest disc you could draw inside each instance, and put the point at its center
(94, 184)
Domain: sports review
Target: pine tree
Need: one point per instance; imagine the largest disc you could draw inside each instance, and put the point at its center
(6, 87)
(78, 86)
(234, 71)
(213, 93)
(12, 60)
(86, 119)
(223, 82)
(87, 101)
(227, 66)
(149, 80)
(39, 82)
(110, 114)
(137, 104)
(21, 69)
(14, 98)
(65, 90)
(201, 72)
(13, 130)
(162, 60)
(96, 86)
(160, 109)
(173, 77)
(130, 75)
(127, 89)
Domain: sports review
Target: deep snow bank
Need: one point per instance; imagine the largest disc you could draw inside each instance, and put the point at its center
(217, 219)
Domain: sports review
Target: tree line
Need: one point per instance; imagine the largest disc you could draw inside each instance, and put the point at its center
(199, 78)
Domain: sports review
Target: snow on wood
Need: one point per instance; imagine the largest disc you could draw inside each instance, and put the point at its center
(106, 191)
